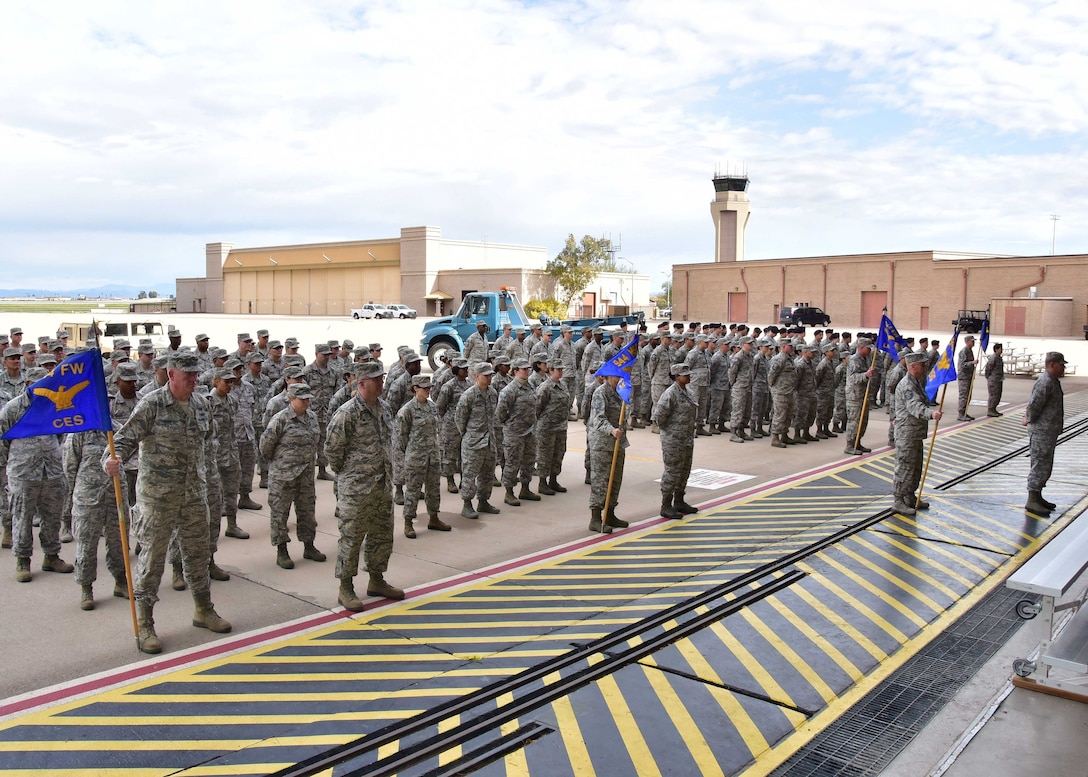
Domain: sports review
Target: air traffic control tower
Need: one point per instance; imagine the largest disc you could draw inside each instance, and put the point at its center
(730, 212)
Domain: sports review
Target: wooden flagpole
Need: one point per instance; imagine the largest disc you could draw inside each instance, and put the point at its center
(612, 472)
(932, 440)
(124, 541)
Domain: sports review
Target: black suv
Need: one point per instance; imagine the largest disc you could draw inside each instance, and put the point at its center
(969, 321)
(807, 316)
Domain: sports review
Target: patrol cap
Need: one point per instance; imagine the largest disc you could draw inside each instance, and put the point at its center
(828, 347)
(702, 339)
(10, 352)
(43, 340)
(365, 370)
(863, 342)
(507, 325)
(483, 368)
(223, 373)
(914, 358)
(348, 344)
(118, 355)
(644, 338)
(423, 381)
(322, 348)
(587, 329)
(375, 346)
(403, 350)
(185, 361)
(1053, 357)
(121, 342)
(564, 328)
(16, 330)
(147, 348)
(411, 357)
(47, 359)
(201, 337)
(256, 356)
(173, 331)
(519, 330)
(218, 353)
(334, 344)
(539, 358)
(460, 364)
(57, 345)
(262, 333)
(501, 360)
(520, 364)
(299, 391)
(292, 372)
(160, 362)
(598, 330)
(745, 339)
(233, 364)
(969, 337)
(690, 335)
(34, 374)
(809, 348)
(275, 345)
(243, 337)
(361, 354)
(536, 325)
(290, 342)
(63, 334)
(127, 371)
(923, 340)
(680, 369)
(4, 339)
(29, 348)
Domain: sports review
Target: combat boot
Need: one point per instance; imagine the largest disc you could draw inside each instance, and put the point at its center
(147, 641)
(756, 432)
(785, 438)
(6, 543)
(654, 429)
(589, 480)
(667, 510)
(863, 449)
(776, 442)
(264, 481)
(215, 573)
(525, 493)
(120, 588)
(596, 523)
(235, 531)
(283, 558)
(398, 495)
(919, 504)
(437, 524)
(1045, 501)
(311, 553)
(66, 530)
(451, 484)
(681, 506)
(409, 529)
(900, 506)
(808, 436)
(467, 511)
(611, 520)
(378, 587)
(701, 431)
(486, 507)
(637, 423)
(22, 570)
(553, 481)
(744, 433)
(829, 432)
(798, 437)
(543, 488)
(347, 597)
(178, 583)
(510, 499)
(86, 597)
(54, 563)
(734, 437)
(205, 616)
(322, 474)
(245, 502)
(1035, 504)
(820, 433)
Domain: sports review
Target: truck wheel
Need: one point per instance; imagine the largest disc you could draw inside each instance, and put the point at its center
(355, 316)
(435, 351)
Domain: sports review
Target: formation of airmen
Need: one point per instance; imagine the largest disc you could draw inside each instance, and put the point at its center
(496, 415)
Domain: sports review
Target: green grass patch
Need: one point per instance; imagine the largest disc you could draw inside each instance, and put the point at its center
(60, 306)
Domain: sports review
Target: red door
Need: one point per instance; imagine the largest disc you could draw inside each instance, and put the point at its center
(872, 307)
(738, 307)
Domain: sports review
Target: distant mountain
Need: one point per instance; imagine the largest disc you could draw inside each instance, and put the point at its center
(109, 290)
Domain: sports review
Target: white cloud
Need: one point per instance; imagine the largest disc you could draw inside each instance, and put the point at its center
(165, 126)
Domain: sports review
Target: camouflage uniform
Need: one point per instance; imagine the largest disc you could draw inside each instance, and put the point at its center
(857, 417)
(397, 396)
(825, 390)
(518, 349)
(475, 349)
(359, 450)
(476, 423)
(994, 372)
(36, 483)
(447, 401)
(658, 371)
(912, 414)
(244, 396)
(587, 402)
(720, 404)
(839, 414)
(698, 359)
(805, 412)
(289, 445)
(741, 375)
(965, 371)
(562, 354)
(94, 506)
(552, 408)
(675, 414)
(1045, 414)
(416, 439)
(261, 387)
(782, 380)
(604, 417)
(323, 382)
(222, 491)
(516, 411)
(579, 372)
(891, 383)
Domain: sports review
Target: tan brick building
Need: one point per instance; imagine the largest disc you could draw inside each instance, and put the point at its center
(922, 290)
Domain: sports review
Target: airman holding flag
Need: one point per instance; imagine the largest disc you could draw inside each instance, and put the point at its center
(607, 439)
(911, 425)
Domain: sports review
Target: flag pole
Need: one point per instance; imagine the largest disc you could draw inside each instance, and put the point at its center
(971, 386)
(612, 472)
(124, 540)
(865, 402)
(932, 440)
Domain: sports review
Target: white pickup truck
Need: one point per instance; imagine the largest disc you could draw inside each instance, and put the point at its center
(366, 311)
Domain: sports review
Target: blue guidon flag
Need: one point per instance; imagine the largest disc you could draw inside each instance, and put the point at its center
(621, 365)
(888, 338)
(984, 339)
(944, 371)
(72, 399)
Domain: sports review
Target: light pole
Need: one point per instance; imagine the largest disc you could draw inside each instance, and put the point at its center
(668, 289)
(631, 267)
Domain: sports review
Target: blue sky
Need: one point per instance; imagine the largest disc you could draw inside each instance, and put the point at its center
(131, 136)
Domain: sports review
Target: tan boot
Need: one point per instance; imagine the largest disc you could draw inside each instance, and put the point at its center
(311, 553)
(146, 639)
(436, 524)
(283, 558)
(120, 588)
(347, 596)
(6, 542)
(543, 487)
(205, 616)
(54, 563)
(215, 573)
(379, 587)
(86, 597)
(409, 529)
(22, 570)
(233, 530)
(178, 583)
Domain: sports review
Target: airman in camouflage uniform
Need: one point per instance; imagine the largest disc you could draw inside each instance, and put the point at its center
(359, 450)
(825, 390)
(658, 371)
(994, 372)
(480, 435)
(274, 365)
(223, 489)
(476, 345)
(859, 371)
(257, 383)
(516, 411)
(605, 428)
(675, 414)
(782, 380)
(698, 359)
(553, 406)
(416, 437)
(323, 383)
(1044, 417)
(562, 353)
(519, 346)
(764, 351)
(805, 412)
(719, 387)
(36, 486)
(397, 395)
(741, 374)
(447, 401)
(912, 414)
(891, 383)
(579, 372)
(246, 432)
(641, 404)
(173, 429)
(965, 372)
(839, 415)
(289, 445)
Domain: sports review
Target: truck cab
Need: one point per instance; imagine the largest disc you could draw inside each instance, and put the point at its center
(496, 309)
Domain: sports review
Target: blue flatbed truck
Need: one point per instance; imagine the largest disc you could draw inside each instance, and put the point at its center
(495, 308)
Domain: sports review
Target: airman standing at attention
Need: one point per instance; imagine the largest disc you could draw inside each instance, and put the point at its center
(397, 394)
(562, 353)
(825, 390)
(994, 372)
(605, 429)
(323, 383)
(552, 408)
(720, 405)
(502, 342)
(859, 373)
(476, 345)
(965, 371)
(658, 370)
(289, 445)
(447, 401)
(359, 449)
(416, 435)
(912, 414)
(675, 414)
(805, 413)
(698, 359)
(516, 411)
(476, 422)
(782, 380)
(519, 347)
(1044, 417)
(741, 375)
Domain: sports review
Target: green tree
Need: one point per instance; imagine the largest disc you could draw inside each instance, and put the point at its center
(142, 295)
(152, 294)
(577, 265)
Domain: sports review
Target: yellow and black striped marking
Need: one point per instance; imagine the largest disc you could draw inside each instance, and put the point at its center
(721, 692)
